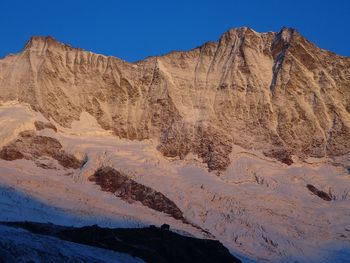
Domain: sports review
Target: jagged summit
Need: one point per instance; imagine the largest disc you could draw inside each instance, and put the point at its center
(36, 39)
(274, 92)
(42, 42)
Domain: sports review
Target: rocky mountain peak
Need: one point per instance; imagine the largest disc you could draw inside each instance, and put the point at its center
(235, 35)
(286, 34)
(274, 92)
(41, 43)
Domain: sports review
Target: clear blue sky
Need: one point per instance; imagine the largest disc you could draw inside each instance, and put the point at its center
(133, 30)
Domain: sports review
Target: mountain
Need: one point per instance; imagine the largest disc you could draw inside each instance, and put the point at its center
(245, 140)
(255, 90)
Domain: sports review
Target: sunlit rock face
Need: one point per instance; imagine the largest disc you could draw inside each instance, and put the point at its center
(32, 147)
(244, 140)
(273, 92)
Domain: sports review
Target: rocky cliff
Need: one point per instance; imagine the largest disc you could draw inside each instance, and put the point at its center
(273, 92)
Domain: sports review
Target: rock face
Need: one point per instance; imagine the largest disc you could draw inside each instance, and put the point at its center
(274, 92)
(39, 125)
(127, 189)
(31, 146)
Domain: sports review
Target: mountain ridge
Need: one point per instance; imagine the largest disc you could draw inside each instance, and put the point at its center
(44, 38)
(256, 90)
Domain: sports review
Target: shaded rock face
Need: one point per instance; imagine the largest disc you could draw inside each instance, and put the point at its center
(150, 244)
(111, 180)
(282, 155)
(31, 146)
(39, 125)
(9, 153)
(274, 92)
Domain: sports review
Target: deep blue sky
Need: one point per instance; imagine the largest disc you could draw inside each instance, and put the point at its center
(133, 30)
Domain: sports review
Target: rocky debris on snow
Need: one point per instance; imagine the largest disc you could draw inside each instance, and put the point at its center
(30, 146)
(321, 194)
(122, 186)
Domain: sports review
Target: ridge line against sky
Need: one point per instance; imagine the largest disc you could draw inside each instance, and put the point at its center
(135, 29)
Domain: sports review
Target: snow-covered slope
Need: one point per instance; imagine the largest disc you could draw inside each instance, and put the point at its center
(14, 119)
(259, 208)
(17, 245)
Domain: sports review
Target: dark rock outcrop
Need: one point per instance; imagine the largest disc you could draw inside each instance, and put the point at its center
(10, 154)
(30, 146)
(321, 194)
(150, 244)
(111, 180)
(40, 125)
